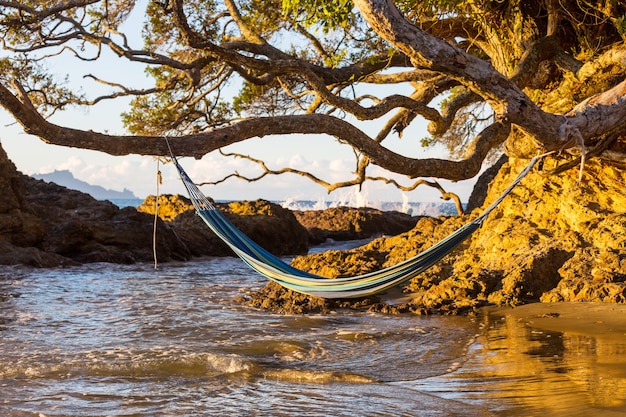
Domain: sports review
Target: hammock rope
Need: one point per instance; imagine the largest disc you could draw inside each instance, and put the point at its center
(363, 285)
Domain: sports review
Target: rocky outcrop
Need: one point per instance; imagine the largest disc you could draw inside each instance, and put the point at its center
(271, 226)
(553, 232)
(348, 223)
(82, 229)
(169, 206)
(268, 224)
(552, 239)
(19, 226)
(44, 224)
(279, 230)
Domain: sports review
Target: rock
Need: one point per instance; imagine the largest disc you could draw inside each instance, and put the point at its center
(19, 225)
(280, 300)
(269, 225)
(348, 223)
(84, 229)
(45, 225)
(169, 205)
(533, 274)
(198, 238)
(275, 298)
(552, 239)
(592, 274)
(275, 228)
(30, 256)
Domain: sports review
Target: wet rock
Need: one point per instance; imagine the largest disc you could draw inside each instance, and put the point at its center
(278, 299)
(30, 256)
(83, 229)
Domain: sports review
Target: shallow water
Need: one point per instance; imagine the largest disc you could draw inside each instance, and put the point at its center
(110, 340)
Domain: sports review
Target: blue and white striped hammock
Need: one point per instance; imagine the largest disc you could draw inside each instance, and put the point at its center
(284, 274)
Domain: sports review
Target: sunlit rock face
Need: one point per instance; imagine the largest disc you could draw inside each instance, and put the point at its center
(168, 206)
(552, 239)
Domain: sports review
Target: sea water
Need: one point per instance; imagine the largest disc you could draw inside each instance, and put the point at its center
(131, 340)
(409, 207)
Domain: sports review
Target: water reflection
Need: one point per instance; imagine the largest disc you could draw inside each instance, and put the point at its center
(524, 365)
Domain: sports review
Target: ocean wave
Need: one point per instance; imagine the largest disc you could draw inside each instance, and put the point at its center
(413, 208)
(121, 363)
(317, 377)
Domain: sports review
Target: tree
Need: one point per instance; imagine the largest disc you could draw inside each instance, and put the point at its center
(487, 75)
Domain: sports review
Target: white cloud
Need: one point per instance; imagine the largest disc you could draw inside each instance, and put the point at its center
(339, 165)
(72, 163)
(298, 162)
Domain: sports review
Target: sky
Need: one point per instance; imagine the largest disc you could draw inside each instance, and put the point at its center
(319, 154)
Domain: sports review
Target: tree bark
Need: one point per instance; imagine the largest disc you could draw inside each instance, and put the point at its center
(590, 119)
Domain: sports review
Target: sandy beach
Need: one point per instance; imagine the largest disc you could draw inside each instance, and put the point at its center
(589, 319)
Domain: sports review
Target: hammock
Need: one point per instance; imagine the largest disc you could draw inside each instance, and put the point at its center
(284, 274)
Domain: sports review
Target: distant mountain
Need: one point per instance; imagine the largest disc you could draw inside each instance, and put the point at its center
(66, 179)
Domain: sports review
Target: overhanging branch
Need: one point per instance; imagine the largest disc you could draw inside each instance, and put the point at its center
(504, 96)
(359, 179)
(200, 144)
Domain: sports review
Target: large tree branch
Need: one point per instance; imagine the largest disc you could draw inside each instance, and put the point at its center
(509, 103)
(595, 115)
(546, 48)
(369, 113)
(267, 59)
(200, 144)
(39, 15)
(445, 195)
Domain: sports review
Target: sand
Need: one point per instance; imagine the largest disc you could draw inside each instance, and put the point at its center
(595, 319)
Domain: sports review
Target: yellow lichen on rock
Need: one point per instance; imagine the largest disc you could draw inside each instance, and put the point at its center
(170, 205)
(553, 238)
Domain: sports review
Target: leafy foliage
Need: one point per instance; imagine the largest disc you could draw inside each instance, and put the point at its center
(214, 63)
(328, 15)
